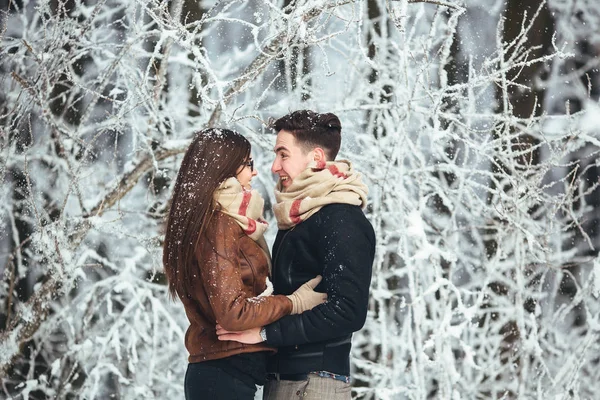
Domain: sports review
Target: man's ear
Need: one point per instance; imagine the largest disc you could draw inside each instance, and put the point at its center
(319, 154)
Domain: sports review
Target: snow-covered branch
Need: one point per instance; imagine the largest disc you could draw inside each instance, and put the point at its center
(487, 274)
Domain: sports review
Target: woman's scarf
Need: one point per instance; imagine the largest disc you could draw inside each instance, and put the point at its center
(244, 206)
(321, 183)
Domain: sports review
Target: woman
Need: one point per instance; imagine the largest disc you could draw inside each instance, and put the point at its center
(217, 264)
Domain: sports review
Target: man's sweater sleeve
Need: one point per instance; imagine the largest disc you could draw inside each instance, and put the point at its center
(346, 248)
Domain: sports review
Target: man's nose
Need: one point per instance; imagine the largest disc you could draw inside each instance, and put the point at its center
(275, 166)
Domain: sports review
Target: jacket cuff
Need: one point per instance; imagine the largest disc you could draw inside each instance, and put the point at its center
(272, 333)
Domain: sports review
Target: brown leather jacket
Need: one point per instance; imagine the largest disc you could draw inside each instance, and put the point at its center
(232, 271)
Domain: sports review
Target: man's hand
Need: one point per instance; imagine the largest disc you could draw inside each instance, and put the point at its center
(249, 336)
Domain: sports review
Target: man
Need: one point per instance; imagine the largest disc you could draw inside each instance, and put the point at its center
(322, 231)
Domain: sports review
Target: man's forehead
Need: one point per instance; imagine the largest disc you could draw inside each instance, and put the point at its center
(280, 145)
(284, 142)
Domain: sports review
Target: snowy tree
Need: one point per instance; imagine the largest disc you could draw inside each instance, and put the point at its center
(473, 122)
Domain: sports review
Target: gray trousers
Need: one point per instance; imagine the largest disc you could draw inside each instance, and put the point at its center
(314, 388)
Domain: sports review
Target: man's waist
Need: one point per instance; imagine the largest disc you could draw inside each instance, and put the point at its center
(311, 357)
(331, 349)
(304, 376)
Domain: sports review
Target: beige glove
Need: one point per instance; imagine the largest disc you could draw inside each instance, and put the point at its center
(306, 298)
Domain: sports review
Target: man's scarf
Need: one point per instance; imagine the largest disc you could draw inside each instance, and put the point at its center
(321, 183)
(244, 206)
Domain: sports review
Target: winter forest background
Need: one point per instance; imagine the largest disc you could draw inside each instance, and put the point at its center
(476, 124)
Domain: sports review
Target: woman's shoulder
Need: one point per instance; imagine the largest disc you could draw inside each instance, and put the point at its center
(221, 233)
(221, 222)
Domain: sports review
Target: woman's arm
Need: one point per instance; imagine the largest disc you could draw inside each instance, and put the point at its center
(218, 259)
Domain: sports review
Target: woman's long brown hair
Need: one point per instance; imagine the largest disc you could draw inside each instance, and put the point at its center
(213, 156)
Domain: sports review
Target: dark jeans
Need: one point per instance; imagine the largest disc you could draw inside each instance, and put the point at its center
(208, 382)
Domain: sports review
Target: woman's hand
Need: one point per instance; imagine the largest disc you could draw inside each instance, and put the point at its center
(305, 298)
(249, 336)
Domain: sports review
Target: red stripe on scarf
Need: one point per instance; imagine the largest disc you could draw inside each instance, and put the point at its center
(245, 202)
(336, 172)
(295, 211)
(251, 227)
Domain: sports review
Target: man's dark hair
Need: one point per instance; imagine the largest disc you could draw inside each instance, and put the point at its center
(311, 129)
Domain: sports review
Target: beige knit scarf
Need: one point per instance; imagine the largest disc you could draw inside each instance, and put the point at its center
(244, 206)
(319, 184)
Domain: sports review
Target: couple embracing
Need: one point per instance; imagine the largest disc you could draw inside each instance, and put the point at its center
(286, 322)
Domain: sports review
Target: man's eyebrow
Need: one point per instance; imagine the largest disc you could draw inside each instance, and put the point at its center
(280, 148)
